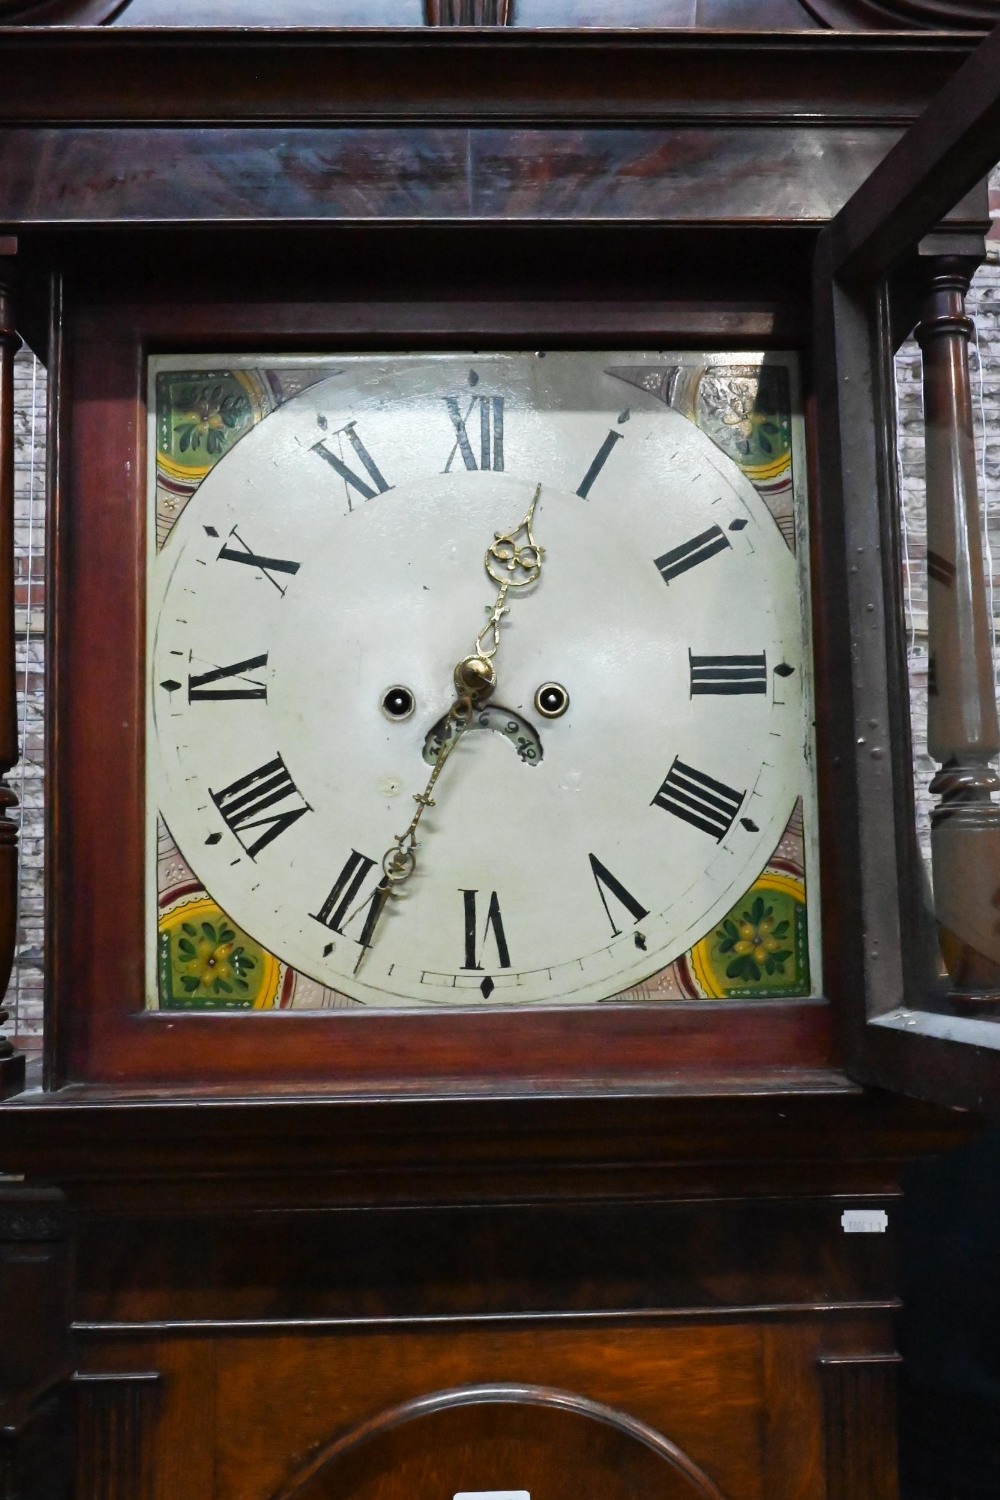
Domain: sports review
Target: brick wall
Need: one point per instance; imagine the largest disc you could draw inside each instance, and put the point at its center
(24, 999)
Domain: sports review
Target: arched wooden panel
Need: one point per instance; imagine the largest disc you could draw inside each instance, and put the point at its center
(553, 1444)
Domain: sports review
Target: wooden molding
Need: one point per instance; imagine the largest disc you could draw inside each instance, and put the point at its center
(550, 1414)
(114, 1415)
(859, 1408)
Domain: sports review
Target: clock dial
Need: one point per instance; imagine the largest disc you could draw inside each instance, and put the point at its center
(633, 770)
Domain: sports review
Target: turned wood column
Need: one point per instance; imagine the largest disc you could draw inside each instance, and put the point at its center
(962, 730)
(11, 1063)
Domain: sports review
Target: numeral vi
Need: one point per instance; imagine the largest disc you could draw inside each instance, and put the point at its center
(494, 921)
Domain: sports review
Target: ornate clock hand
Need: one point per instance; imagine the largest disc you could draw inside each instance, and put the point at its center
(475, 678)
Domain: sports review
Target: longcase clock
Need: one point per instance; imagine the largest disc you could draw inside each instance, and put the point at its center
(482, 855)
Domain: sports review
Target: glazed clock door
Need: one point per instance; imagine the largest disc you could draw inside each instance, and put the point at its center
(616, 803)
(924, 1019)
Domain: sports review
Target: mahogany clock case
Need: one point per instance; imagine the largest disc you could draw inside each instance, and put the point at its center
(504, 293)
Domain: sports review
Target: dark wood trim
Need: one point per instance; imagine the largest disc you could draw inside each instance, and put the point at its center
(56, 565)
(114, 1152)
(269, 75)
(104, 1037)
(115, 1414)
(72, 177)
(35, 1345)
(951, 147)
(759, 1313)
(859, 1405)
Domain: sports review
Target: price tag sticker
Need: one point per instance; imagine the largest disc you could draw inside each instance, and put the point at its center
(864, 1221)
(492, 1495)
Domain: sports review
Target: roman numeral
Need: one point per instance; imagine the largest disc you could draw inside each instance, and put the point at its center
(701, 547)
(200, 689)
(490, 436)
(341, 904)
(606, 882)
(600, 460)
(253, 802)
(726, 675)
(350, 476)
(494, 921)
(699, 799)
(267, 565)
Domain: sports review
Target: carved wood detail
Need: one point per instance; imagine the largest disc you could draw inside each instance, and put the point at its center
(963, 731)
(114, 1416)
(11, 1063)
(519, 1422)
(859, 1409)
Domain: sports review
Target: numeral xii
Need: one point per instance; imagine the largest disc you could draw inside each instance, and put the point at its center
(490, 435)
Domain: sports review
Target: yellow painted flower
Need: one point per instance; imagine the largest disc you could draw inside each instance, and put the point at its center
(210, 960)
(757, 944)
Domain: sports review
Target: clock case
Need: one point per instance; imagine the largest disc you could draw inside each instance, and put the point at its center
(648, 1218)
(470, 204)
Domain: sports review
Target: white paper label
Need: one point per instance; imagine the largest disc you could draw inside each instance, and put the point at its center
(492, 1495)
(864, 1221)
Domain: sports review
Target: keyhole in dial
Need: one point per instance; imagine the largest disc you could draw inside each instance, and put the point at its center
(397, 702)
(551, 700)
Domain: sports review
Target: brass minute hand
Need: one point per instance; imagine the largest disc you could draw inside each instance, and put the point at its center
(512, 565)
